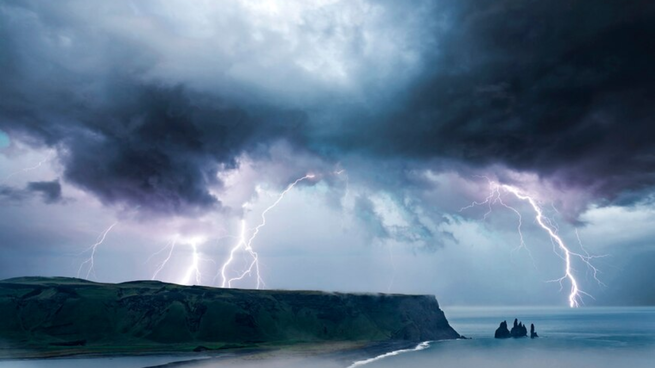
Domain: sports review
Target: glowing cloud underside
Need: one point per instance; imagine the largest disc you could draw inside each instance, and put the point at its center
(548, 225)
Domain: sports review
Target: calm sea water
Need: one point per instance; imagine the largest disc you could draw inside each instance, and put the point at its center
(585, 337)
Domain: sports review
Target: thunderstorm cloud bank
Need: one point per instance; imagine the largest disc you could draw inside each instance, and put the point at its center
(150, 106)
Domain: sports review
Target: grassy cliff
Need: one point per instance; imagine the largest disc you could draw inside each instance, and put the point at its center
(56, 316)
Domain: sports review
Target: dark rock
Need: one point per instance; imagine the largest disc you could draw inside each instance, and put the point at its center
(519, 330)
(533, 333)
(502, 332)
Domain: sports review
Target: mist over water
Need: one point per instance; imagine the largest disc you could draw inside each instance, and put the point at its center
(584, 337)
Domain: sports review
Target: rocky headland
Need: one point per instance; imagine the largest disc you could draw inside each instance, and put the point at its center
(64, 316)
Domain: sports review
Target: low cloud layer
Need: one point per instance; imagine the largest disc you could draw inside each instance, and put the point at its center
(49, 190)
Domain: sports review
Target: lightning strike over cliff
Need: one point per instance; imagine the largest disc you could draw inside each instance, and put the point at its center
(246, 244)
(549, 226)
(171, 247)
(241, 243)
(193, 272)
(91, 260)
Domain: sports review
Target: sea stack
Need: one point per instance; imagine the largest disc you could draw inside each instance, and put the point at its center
(533, 333)
(502, 332)
(518, 330)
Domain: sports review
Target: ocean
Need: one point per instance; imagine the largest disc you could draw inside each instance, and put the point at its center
(583, 337)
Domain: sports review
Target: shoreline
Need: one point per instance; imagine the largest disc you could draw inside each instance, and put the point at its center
(344, 352)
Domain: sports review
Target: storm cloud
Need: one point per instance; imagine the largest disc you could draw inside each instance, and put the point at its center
(561, 90)
(145, 108)
(49, 190)
(186, 120)
(131, 142)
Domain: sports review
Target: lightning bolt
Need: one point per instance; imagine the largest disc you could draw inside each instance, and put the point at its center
(240, 244)
(39, 164)
(591, 267)
(171, 247)
(549, 226)
(194, 268)
(91, 260)
(193, 272)
(246, 243)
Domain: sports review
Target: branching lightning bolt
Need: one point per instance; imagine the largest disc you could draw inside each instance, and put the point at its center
(91, 260)
(246, 244)
(240, 244)
(548, 225)
(194, 268)
(193, 272)
(591, 267)
(171, 247)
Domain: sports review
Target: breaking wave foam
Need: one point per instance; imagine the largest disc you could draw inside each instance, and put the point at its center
(421, 346)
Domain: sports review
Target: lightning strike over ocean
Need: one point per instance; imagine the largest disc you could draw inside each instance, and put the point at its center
(548, 225)
(246, 244)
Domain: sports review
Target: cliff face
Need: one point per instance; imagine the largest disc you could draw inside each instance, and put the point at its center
(61, 313)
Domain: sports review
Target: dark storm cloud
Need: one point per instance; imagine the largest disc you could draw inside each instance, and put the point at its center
(154, 147)
(128, 141)
(562, 89)
(49, 190)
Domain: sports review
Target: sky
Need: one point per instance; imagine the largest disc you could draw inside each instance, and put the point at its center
(333, 145)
